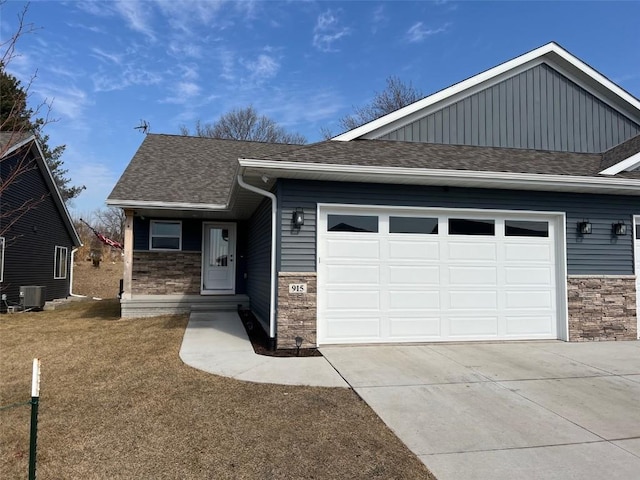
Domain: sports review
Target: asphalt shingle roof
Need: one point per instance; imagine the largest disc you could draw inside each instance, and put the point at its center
(621, 152)
(181, 169)
(384, 153)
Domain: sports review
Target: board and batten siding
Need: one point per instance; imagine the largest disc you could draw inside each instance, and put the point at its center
(258, 262)
(31, 240)
(537, 109)
(600, 253)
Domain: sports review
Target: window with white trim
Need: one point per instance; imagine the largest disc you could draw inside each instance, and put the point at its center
(1, 259)
(60, 263)
(165, 235)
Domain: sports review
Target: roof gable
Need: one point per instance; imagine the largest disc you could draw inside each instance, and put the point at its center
(552, 55)
(17, 141)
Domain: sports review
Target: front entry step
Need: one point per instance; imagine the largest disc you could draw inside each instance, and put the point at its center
(221, 303)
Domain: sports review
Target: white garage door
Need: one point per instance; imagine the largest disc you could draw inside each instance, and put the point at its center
(388, 275)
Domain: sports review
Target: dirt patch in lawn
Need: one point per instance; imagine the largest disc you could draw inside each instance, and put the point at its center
(101, 282)
(117, 403)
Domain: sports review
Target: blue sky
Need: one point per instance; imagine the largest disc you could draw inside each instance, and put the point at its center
(107, 65)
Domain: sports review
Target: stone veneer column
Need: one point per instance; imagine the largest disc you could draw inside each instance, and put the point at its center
(166, 273)
(297, 311)
(602, 307)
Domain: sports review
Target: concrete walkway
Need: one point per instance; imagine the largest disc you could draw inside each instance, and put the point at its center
(543, 410)
(217, 342)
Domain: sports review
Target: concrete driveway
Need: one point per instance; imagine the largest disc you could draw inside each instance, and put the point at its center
(544, 410)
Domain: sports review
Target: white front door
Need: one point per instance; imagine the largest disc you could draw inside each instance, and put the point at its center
(218, 258)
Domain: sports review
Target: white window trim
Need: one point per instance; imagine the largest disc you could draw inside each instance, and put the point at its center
(151, 236)
(55, 262)
(2, 246)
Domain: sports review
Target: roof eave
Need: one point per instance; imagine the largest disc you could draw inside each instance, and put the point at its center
(133, 204)
(627, 164)
(425, 176)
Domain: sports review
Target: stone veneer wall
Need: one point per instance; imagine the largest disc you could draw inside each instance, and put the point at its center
(297, 311)
(602, 307)
(166, 273)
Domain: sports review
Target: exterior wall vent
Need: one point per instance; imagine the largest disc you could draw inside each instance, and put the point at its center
(32, 296)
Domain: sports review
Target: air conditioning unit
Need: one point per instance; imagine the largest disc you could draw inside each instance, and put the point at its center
(32, 296)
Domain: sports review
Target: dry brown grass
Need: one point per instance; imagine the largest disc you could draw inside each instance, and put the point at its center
(102, 282)
(117, 402)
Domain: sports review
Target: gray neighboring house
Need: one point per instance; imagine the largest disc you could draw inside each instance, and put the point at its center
(505, 207)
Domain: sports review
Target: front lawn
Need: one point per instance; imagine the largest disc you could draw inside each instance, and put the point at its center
(117, 402)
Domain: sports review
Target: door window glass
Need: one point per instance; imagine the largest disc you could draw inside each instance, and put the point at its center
(466, 226)
(352, 223)
(522, 228)
(422, 225)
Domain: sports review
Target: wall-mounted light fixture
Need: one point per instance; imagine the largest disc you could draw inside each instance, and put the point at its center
(297, 218)
(619, 228)
(584, 227)
(298, 345)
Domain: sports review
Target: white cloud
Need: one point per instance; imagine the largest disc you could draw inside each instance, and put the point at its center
(328, 31)
(111, 57)
(418, 32)
(263, 67)
(129, 76)
(68, 102)
(379, 18)
(137, 15)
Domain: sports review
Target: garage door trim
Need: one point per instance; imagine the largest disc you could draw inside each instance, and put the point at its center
(557, 224)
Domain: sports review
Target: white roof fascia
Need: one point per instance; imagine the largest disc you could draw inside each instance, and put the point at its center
(627, 165)
(510, 67)
(506, 179)
(54, 186)
(19, 145)
(164, 205)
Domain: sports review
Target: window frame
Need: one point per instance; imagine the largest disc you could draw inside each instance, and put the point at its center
(2, 247)
(152, 236)
(59, 250)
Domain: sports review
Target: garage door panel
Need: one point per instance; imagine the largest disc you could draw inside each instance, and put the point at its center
(529, 276)
(347, 327)
(472, 251)
(473, 300)
(363, 300)
(525, 252)
(353, 274)
(410, 300)
(407, 250)
(353, 249)
(463, 276)
(475, 326)
(414, 275)
(404, 327)
(529, 300)
(433, 285)
(528, 325)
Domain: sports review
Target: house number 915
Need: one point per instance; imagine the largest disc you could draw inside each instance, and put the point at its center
(297, 288)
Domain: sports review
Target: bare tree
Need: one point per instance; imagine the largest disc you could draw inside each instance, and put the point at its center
(398, 94)
(111, 223)
(245, 124)
(15, 127)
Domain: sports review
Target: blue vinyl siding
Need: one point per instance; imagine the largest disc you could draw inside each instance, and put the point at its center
(31, 240)
(600, 253)
(191, 234)
(539, 109)
(259, 261)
